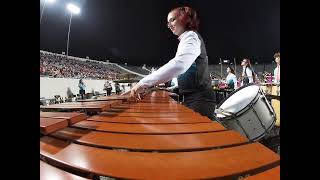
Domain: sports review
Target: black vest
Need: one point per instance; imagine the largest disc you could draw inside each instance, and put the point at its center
(197, 77)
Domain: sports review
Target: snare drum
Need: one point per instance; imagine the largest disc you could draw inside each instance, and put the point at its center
(247, 111)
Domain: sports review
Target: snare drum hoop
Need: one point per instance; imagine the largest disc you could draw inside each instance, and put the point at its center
(243, 110)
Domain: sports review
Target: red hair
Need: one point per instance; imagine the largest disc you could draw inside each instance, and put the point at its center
(188, 17)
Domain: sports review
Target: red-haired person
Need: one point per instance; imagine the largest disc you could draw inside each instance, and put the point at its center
(190, 64)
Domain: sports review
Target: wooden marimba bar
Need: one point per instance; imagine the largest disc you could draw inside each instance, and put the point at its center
(106, 98)
(155, 138)
(88, 107)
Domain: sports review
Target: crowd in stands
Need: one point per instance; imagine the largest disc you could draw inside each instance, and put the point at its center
(58, 66)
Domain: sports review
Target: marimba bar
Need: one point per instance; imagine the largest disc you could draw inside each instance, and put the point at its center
(150, 120)
(160, 143)
(87, 106)
(106, 98)
(273, 173)
(72, 117)
(49, 125)
(150, 128)
(50, 172)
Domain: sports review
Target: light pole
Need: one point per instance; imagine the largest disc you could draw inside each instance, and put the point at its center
(235, 66)
(73, 10)
(44, 5)
(144, 67)
(221, 68)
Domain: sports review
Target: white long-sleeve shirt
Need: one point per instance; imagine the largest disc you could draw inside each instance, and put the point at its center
(187, 52)
(275, 74)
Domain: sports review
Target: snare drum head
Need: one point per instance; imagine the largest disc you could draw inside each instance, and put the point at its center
(240, 99)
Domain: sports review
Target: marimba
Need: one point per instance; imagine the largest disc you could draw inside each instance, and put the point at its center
(271, 89)
(155, 138)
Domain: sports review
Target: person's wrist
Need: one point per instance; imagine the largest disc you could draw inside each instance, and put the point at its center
(141, 85)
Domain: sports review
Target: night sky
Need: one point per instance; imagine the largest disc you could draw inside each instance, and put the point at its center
(135, 32)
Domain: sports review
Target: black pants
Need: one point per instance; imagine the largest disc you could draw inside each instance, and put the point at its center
(203, 102)
(82, 93)
(108, 92)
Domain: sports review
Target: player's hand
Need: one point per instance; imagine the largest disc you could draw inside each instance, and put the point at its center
(134, 93)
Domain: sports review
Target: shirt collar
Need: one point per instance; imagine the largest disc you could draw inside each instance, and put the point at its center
(182, 35)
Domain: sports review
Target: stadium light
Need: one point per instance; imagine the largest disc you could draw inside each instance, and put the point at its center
(73, 10)
(44, 5)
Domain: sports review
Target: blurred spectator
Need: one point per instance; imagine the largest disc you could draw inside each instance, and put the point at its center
(82, 88)
(60, 67)
(108, 88)
(117, 88)
(231, 79)
(123, 88)
(276, 71)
